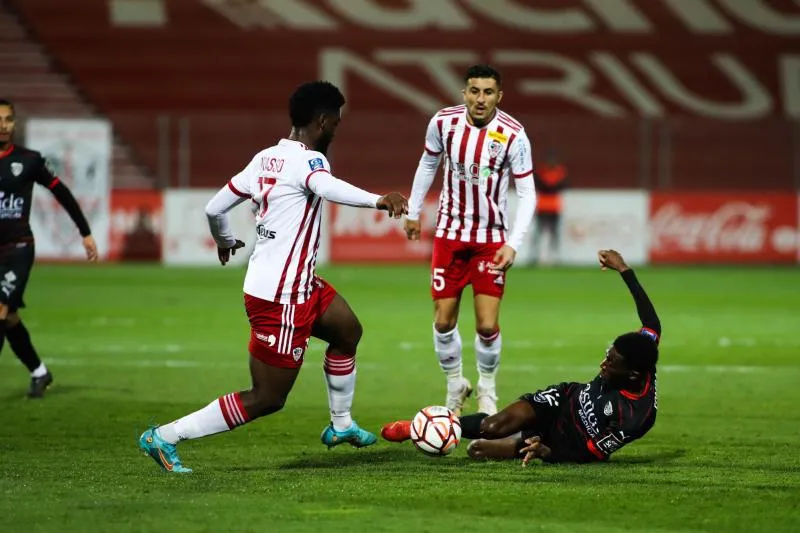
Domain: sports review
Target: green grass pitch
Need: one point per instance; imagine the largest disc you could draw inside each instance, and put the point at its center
(134, 345)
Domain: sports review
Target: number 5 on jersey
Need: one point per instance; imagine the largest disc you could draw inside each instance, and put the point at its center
(266, 184)
(437, 279)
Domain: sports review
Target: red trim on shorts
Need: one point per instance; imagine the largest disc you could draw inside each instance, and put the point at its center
(523, 175)
(431, 152)
(236, 191)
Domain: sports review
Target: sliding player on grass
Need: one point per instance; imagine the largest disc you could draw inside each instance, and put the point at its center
(576, 422)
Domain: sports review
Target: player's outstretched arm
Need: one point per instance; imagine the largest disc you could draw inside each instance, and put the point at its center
(644, 307)
(71, 206)
(323, 184)
(217, 213)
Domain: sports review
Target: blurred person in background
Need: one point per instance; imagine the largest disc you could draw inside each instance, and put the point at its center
(483, 149)
(20, 168)
(551, 179)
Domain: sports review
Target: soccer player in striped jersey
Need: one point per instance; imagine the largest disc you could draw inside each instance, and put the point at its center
(286, 302)
(483, 149)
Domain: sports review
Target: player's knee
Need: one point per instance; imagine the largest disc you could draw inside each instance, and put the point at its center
(12, 319)
(444, 324)
(348, 343)
(3, 311)
(492, 427)
(263, 403)
(475, 450)
(487, 329)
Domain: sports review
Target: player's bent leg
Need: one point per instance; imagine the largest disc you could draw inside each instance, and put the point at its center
(499, 449)
(339, 326)
(448, 347)
(488, 345)
(271, 386)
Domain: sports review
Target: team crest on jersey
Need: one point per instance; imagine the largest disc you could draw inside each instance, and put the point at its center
(607, 410)
(16, 168)
(495, 147)
(316, 164)
(297, 353)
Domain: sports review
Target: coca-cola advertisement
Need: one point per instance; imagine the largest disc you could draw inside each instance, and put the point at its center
(723, 228)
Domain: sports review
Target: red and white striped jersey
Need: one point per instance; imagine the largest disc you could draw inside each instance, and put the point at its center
(478, 163)
(287, 217)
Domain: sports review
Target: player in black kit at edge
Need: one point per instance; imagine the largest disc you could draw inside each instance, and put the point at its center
(19, 169)
(576, 422)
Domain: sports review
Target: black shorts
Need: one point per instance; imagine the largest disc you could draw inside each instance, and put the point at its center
(16, 263)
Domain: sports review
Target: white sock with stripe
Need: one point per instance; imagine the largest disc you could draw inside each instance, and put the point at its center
(487, 353)
(340, 377)
(223, 414)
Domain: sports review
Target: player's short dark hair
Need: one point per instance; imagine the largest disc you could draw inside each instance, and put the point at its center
(639, 351)
(483, 71)
(313, 99)
(9, 103)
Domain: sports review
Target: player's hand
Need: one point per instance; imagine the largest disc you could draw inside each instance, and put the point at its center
(611, 259)
(412, 229)
(91, 248)
(534, 450)
(225, 254)
(395, 203)
(503, 258)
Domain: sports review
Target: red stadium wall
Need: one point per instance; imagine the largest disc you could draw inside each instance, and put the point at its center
(718, 81)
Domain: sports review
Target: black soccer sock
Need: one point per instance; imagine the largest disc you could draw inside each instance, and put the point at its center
(471, 425)
(20, 341)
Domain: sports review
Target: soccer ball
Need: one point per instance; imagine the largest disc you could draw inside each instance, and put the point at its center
(435, 430)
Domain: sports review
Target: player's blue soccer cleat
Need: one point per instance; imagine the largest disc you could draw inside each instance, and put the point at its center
(354, 435)
(162, 452)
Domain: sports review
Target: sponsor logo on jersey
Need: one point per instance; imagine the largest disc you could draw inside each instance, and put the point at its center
(16, 168)
(586, 411)
(608, 409)
(11, 206)
(549, 396)
(265, 233)
(316, 164)
(497, 136)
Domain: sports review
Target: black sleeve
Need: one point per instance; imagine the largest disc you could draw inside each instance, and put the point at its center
(68, 202)
(43, 174)
(647, 313)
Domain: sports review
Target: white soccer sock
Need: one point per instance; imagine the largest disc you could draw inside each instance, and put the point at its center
(448, 349)
(340, 377)
(39, 371)
(487, 353)
(223, 414)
